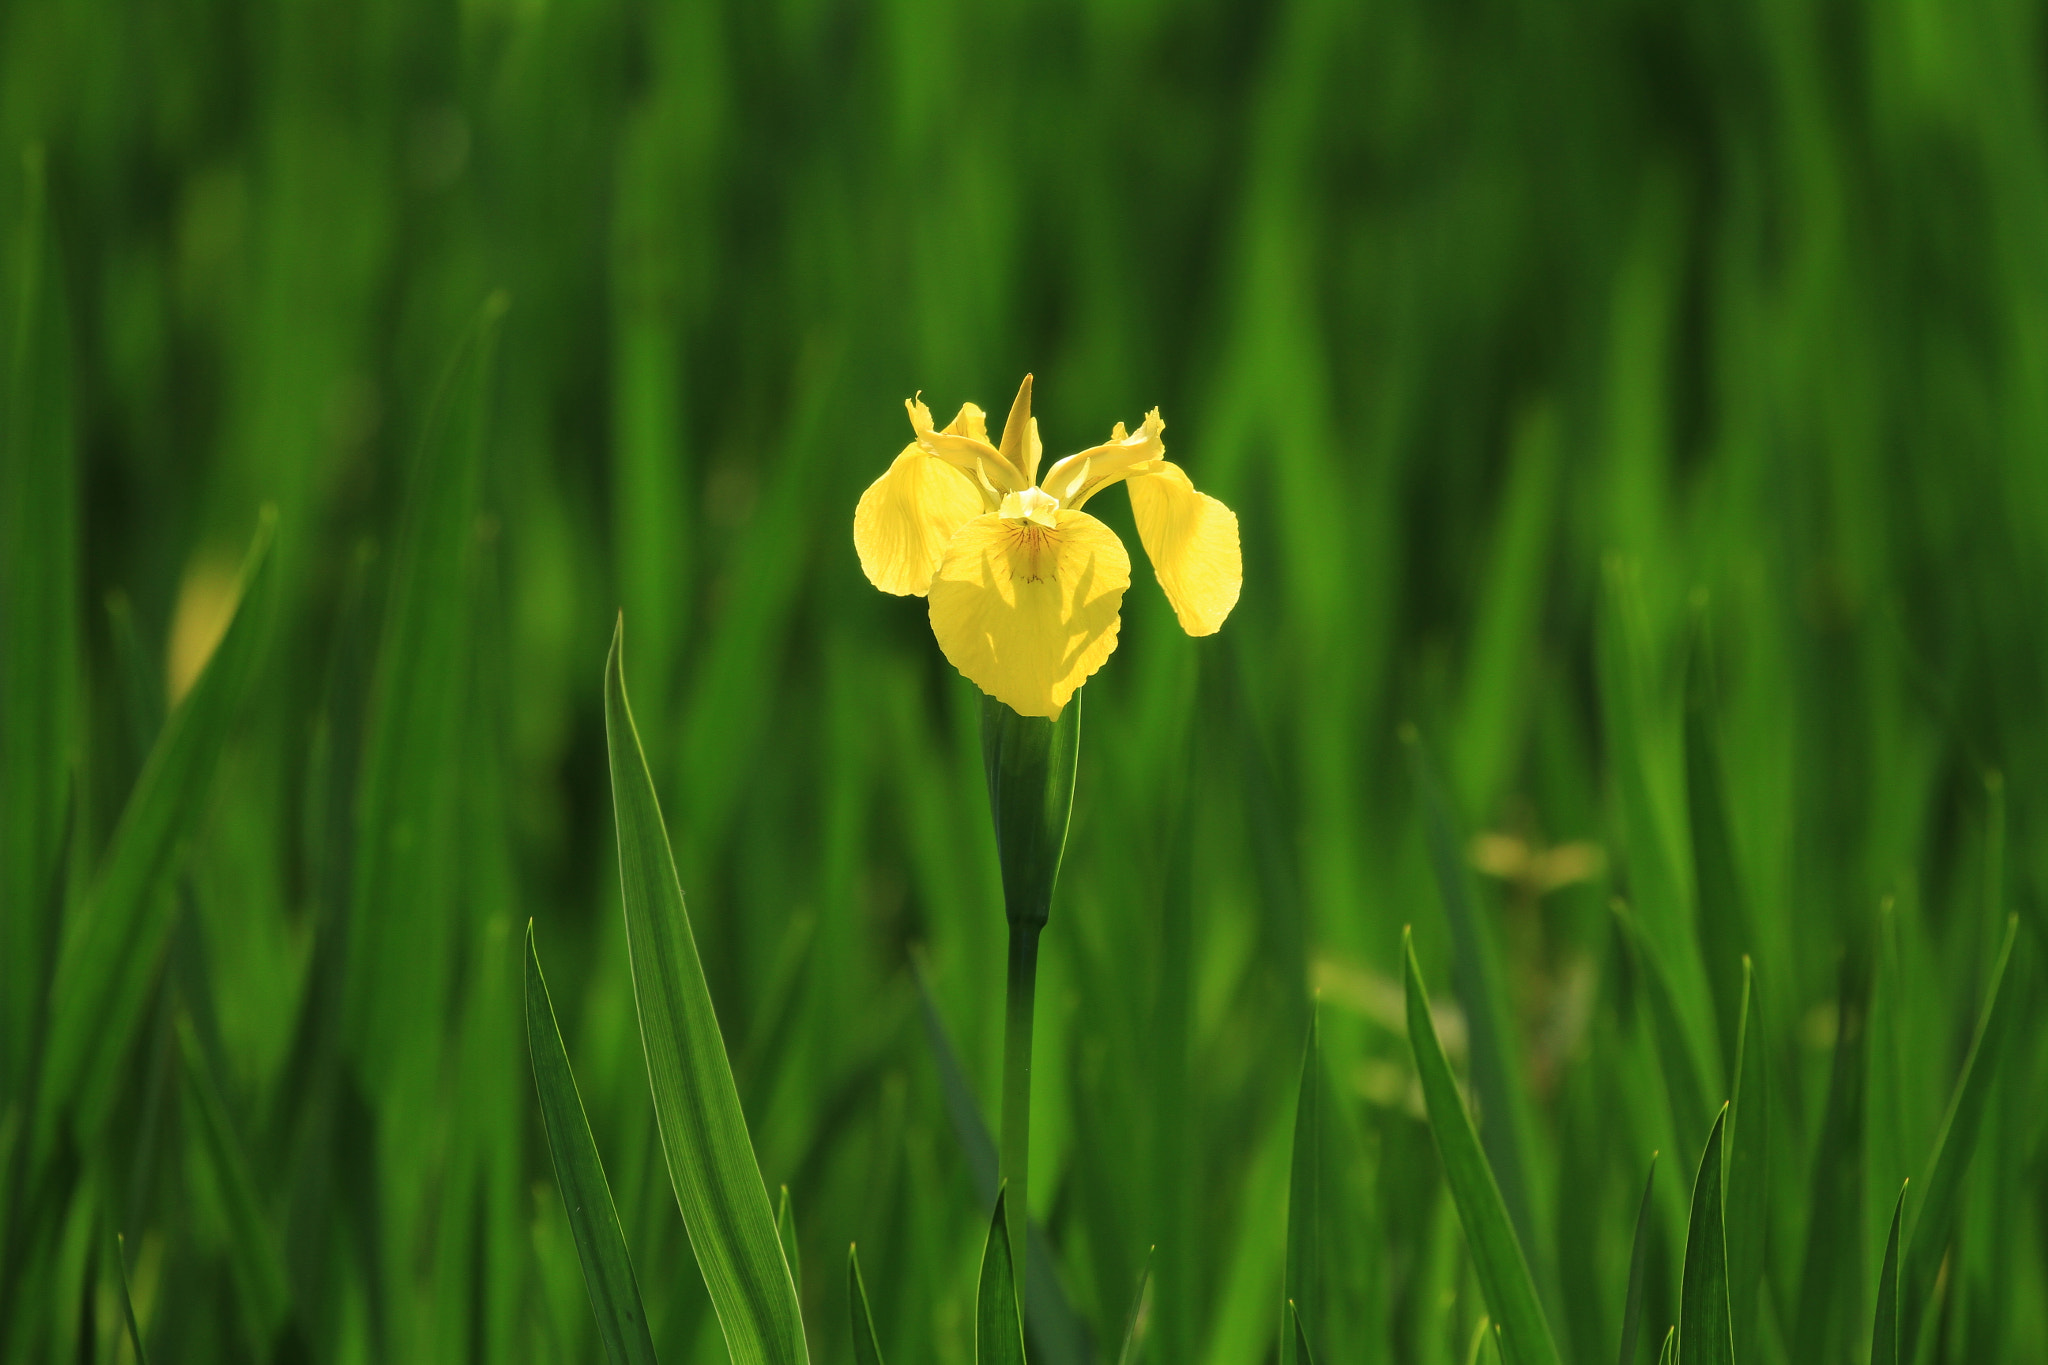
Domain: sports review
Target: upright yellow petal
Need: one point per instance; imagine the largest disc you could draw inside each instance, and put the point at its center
(1192, 541)
(1021, 446)
(906, 517)
(1028, 613)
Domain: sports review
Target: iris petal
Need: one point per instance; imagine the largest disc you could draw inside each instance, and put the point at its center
(906, 517)
(1191, 539)
(1028, 613)
(964, 445)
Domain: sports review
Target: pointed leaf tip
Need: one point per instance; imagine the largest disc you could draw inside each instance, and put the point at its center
(998, 1330)
(866, 1350)
(704, 1137)
(1497, 1258)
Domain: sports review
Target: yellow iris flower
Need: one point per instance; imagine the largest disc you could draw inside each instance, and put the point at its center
(1024, 586)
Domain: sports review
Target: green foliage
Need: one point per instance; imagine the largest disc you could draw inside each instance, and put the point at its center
(1031, 765)
(1748, 1177)
(579, 1173)
(998, 1328)
(696, 1104)
(1704, 1333)
(1884, 1331)
(866, 1351)
(1632, 1306)
(1497, 1258)
(115, 942)
(1643, 403)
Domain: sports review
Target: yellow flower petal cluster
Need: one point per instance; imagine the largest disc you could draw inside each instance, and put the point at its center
(1025, 587)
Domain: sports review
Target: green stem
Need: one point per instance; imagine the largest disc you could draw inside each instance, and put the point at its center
(1016, 1155)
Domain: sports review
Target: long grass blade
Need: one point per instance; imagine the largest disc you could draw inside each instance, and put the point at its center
(998, 1331)
(1138, 1321)
(404, 878)
(1056, 1333)
(1476, 973)
(128, 1301)
(1684, 1083)
(1927, 1238)
(1704, 1336)
(120, 932)
(39, 601)
(252, 1249)
(785, 1234)
(703, 1131)
(579, 1174)
(1720, 911)
(866, 1350)
(1300, 1336)
(1638, 1256)
(1669, 1355)
(1748, 1168)
(1497, 1257)
(1485, 1333)
(1830, 1285)
(1304, 1273)
(1884, 1331)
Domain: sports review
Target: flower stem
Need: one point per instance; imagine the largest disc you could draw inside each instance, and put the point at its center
(1016, 1153)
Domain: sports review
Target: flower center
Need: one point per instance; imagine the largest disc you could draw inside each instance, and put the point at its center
(1033, 505)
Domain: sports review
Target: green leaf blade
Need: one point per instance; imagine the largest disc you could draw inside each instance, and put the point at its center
(1301, 1349)
(1497, 1257)
(1031, 764)
(39, 645)
(785, 1236)
(120, 932)
(404, 880)
(866, 1349)
(253, 1255)
(128, 1301)
(1632, 1307)
(1483, 993)
(703, 1130)
(1704, 1334)
(1303, 1278)
(998, 1330)
(579, 1175)
(1138, 1321)
(1884, 1331)
(1748, 1195)
(1927, 1238)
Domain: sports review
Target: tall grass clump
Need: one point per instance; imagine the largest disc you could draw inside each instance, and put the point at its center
(484, 875)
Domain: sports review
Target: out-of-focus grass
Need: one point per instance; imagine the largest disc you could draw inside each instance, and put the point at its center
(1544, 353)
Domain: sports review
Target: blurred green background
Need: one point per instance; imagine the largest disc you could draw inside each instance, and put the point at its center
(1550, 355)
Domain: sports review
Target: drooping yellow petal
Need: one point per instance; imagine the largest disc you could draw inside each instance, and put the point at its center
(1081, 476)
(1028, 613)
(964, 445)
(906, 517)
(1191, 539)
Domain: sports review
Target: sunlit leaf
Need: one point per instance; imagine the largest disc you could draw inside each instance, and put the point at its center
(1884, 1330)
(1632, 1307)
(579, 1174)
(1704, 1335)
(866, 1350)
(998, 1330)
(1927, 1238)
(1497, 1258)
(118, 937)
(696, 1105)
